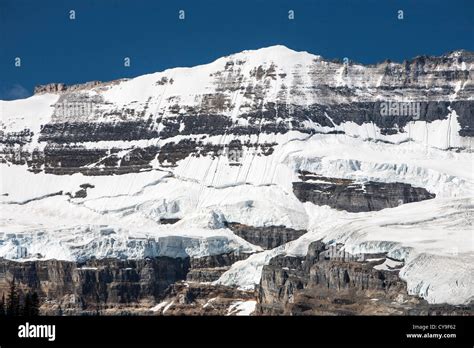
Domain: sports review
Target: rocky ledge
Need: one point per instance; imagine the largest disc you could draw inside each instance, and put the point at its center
(329, 281)
(113, 286)
(268, 237)
(190, 298)
(345, 194)
(80, 288)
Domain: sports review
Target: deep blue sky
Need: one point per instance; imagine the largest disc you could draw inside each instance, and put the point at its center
(54, 48)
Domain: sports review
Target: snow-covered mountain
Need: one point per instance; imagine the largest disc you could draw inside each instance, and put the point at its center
(230, 156)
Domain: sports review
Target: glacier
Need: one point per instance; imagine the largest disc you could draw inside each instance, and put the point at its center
(43, 217)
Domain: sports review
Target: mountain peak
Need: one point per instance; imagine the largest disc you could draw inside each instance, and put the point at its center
(273, 48)
(275, 52)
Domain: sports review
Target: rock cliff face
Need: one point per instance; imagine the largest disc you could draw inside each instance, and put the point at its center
(268, 237)
(344, 194)
(336, 283)
(61, 87)
(210, 268)
(327, 281)
(204, 299)
(95, 283)
(112, 286)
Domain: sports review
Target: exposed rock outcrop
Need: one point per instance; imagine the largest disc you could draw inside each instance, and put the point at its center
(61, 87)
(94, 284)
(210, 268)
(114, 286)
(345, 194)
(220, 260)
(268, 237)
(327, 283)
(187, 298)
